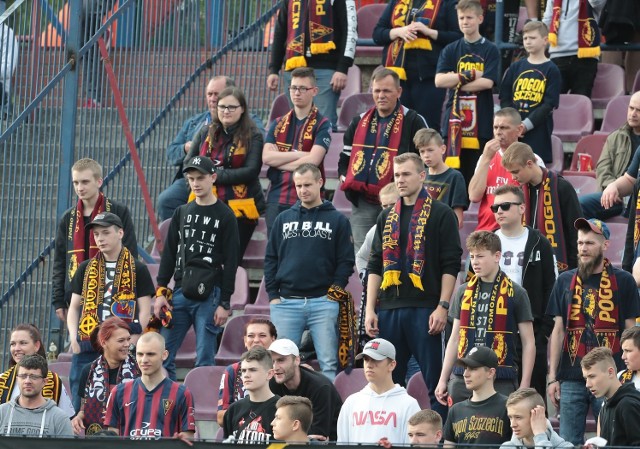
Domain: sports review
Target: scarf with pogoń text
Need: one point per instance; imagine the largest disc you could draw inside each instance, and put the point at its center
(548, 216)
(416, 243)
(597, 312)
(346, 326)
(318, 14)
(123, 299)
(76, 233)
(500, 326)
(98, 389)
(588, 30)
(52, 387)
(372, 153)
(402, 15)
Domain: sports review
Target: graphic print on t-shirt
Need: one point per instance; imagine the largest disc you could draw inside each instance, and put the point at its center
(528, 90)
(109, 276)
(252, 432)
(482, 313)
(200, 234)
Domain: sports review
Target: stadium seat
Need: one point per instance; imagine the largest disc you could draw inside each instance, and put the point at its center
(609, 84)
(355, 287)
(186, 355)
(241, 293)
(279, 107)
(333, 156)
(572, 119)
(615, 115)
(353, 106)
(204, 384)
(591, 145)
(232, 343)
(164, 230)
(341, 202)
(64, 357)
(557, 165)
(261, 306)
(636, 83)
(368, 16)
(347, 384)
(616, 242)
(254, 255)
(418, 390)
(220, 434)
(583, 184)
(467, 228)
(354, 84)
(62, 369)
(471, 214)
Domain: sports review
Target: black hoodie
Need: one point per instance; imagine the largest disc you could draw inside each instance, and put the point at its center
(308, 251)
(619, 417)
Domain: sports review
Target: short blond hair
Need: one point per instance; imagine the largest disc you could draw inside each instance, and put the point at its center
(426, 417)
(410, 157)
(389, 189)
(474, 5)
(598, 355)
(518, 153)
(88, 164)
(530, 395)
(425, 136)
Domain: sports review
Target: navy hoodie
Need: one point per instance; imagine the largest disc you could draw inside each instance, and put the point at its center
(308, 251)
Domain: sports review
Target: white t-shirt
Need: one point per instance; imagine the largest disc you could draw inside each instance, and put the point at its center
(512, 257)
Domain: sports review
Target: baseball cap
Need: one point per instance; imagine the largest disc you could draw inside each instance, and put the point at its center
(284, 346)
(378, 349)
(593, 224)
(105, 219)
(201, 163)
(479, 356)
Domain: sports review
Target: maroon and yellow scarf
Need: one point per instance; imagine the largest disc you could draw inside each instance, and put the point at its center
(77, 233)
(636, 225)
(346, 326)
(52, 387)
(123, 300)
(416, 243)
(214, 148)
(318, 14)
(626, 376)
(401, 16)
(463, 121)
(498, 334)
(372, 153)
(588, 31)
(603, 311)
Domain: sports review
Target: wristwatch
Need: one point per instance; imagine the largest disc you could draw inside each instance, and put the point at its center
(444, 304)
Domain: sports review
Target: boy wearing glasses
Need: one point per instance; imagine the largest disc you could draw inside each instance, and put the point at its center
(528, 259)
(298, 137)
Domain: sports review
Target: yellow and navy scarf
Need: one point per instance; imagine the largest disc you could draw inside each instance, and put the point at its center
(318, 14)
(416, 243)
(346, 326)
(588, 30)
(401, 16)
(52, 387)
(123, 299)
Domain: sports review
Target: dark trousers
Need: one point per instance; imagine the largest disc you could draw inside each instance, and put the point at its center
(245, 231)
(578, 74)
(425, 98)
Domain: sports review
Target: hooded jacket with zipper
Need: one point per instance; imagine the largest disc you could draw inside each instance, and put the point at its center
(548, 439)
(48, 420)
(308, 251)
(619, 417)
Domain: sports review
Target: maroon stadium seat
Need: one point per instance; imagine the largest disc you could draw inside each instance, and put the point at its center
(164, 230)
(591, 145)
(353, 106)
(609, 84)
(261, 306)
(254, 255)
(347, 384)
(418, 390)
(241, 293)
(583, 184)
(341, 202)
(615, 115)
(279, 107)
(204, 383)
(354, 84)
(368, 16)
(232, 343)
(557, 164)
(573, 118)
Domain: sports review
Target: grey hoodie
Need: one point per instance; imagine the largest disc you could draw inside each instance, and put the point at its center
(47, 420)
(548, 439)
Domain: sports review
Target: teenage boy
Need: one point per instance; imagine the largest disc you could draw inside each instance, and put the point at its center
(551, 203)
(489, 310)
(381, 409)
(620, 414)
(532, 87)
(203, 234)
(530, 427)
(443, 183)
(293, 418)
(248, 420)
(257, 332)
(468, 67)
(425, 429)
(630, 343)
(481, 419)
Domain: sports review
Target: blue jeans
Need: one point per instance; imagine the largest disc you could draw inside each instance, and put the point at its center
(326, 99)
(199, 313)
(592, 208)
(78, 362)
(575, 400)
(172, 197)
(408, 329)
(320, 315)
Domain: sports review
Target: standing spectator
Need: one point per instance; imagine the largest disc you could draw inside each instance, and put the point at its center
(575, 42)
(306, 292)
(317, 34)
(532, 86)
(424, 429)
(202, 242)
(591, 306)
(31, 414)
(411, 278)
(9, 50)
(152, 406)
(630, 345)
(551, 203)
(298, 137)
(371, 142)
(381, 409)
(413, 35)
(234, 144)
(292, 422)
(93, 12)
(468, 67)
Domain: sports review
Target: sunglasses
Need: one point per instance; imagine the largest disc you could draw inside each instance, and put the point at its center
(504, 206)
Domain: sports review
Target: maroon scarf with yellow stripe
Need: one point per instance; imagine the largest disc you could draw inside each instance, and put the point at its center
(318, 15)
(588, 31)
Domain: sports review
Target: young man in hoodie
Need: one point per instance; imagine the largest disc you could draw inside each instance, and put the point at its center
(529, 424)
(31, 414)
(382, 408)
(307, 265)
(527, 258)
(620, 412)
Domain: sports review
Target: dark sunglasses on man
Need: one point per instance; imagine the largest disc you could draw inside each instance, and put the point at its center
(504, 206)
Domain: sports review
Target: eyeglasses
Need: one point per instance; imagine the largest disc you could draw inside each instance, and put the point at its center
(301, 89)
(29, 376)
(504, 206)
(224, 108)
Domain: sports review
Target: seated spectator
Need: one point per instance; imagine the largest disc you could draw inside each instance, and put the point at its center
(31, 414)
(292, 422)
(425, 429)
(25, 341)
(234, 144)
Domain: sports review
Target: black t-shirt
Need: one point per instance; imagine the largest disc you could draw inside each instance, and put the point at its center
(448, 187)
(250, 422)
(483, 422)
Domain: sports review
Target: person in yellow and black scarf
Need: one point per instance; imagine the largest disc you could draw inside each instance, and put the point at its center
(630, 345)
(112, 283)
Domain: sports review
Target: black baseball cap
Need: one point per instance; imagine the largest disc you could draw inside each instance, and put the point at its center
(479, 356)
(105, 219)
(203, 164)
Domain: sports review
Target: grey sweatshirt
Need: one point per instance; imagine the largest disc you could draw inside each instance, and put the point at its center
(548, 439)
(47, 420)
